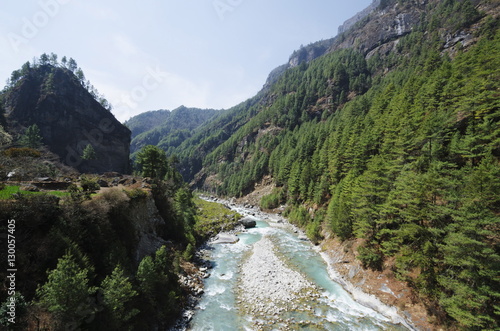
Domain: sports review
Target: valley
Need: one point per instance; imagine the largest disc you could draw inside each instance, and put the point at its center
(370, 163)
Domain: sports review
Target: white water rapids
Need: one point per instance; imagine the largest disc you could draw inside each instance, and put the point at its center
(274, 279)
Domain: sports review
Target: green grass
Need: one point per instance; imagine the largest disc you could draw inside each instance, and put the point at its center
(213, 217)
(7, 191)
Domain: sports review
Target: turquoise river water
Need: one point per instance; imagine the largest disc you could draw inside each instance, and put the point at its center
(219, 308)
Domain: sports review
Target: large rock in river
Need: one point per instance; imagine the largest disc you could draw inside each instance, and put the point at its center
(248, 222)
(225, 238)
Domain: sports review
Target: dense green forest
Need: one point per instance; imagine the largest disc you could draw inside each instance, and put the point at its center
(400, 150)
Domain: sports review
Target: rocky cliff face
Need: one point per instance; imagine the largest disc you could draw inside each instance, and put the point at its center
(358, 17)
(304, 54)
(310, 52)
(376, 30)
(148, 226)
(69, 119)
(381, 25)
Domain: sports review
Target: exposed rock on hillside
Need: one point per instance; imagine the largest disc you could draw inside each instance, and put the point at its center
(69, 119)
(358, 17)
(382, 26)
(310, 52)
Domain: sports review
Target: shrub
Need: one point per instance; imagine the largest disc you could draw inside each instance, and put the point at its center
(116, 197)
(189, 252)
(21, 307)
(136, 193)
(299, 216)
(76, 193)
(313, 232)
(89, 184)
(270, 201)
(20, 152)
(370, 258)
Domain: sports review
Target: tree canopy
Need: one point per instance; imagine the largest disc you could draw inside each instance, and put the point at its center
(152, 162)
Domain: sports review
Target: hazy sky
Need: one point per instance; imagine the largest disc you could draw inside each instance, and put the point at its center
(160, 54)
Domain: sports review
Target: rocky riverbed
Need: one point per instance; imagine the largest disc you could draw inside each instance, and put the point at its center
(268, 287)
(269, 280)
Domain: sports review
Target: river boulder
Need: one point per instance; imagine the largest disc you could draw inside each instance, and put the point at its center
(248, 222)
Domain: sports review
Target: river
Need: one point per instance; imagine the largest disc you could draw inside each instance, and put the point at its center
(275, 279)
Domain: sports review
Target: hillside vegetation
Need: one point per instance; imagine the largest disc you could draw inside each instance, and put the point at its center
(166, 129)
(399, 149)
(69, 113)
(100, 251)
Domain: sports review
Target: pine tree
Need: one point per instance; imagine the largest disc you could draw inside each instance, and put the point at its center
(146, 275)
(67, 291)
(72, 65)
(471, 262)
(44, 59)
(369, 194)
(89, 153)
(32, 137)
(339, 209)
(118, 293)
(158, 284)
(152, 160)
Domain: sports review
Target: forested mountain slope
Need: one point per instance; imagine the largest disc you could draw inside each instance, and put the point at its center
(395, 142)
(147, 121)
(166, 129)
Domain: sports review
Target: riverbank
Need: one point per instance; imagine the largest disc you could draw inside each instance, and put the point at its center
(380, 291)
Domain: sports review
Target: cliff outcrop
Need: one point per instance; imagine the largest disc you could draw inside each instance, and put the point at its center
(69, 118)
(381, 24)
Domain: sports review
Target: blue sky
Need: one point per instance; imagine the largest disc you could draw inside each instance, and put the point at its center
(160, 54)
